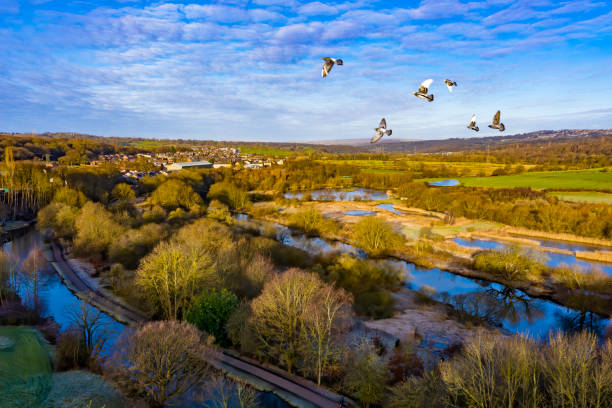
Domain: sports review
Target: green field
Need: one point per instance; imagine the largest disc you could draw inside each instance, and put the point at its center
(592, 179)
(25, 369)
(266, 151)
(583, 196)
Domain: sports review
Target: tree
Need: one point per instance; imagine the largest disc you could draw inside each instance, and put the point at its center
(330, 314)
(123, 192)
(230, 194)
(172, 275)
(312, 222)
(211, 310)
(163, 360)
(174, 194)
(297, 318)
(366, 376)
(95, 230)
(376, 236)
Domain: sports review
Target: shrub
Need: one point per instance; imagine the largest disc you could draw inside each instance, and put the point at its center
(229, 194)
(155, 214)
(376, 236)
(59, 217)
(95, 230)
(130, 247)
(175, 193)
(311, 222)
(123, 192)
(220, 212)
(211, 310)
(70, 197)
(366, 376)
(510, 263)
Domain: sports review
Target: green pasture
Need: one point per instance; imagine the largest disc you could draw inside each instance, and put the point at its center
(265, 151)
(594, 197)
(25, 368)
(592, 179)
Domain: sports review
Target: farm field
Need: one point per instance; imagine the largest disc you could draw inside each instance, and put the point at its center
(399, 166)
(592, 179)
(583, 196)
(267, 151)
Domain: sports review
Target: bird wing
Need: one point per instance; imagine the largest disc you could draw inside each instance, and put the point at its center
(425, 85)
(473, 122)
(376, 137)
(496, 118)
(383, 124)
(327, 67)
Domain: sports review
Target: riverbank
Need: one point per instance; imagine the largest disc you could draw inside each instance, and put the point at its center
(81, 285)
(444, 259)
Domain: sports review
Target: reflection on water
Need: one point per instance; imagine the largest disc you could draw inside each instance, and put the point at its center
(58, 302)
(496, 303)
(553, 259)
(340, 194)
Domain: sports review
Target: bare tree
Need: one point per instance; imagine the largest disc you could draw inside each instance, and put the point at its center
(90, 325)
(328, 316)
(163, 360)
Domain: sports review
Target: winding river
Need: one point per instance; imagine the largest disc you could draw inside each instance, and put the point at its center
(509, 308)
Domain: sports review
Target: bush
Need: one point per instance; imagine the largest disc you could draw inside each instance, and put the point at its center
(569, 371)
(123, 192)
(220, 212)
(229, 194)
(130, 247)
(155, 214)
(211, 310)
(59, 217)
(510, 263)
(312, 223)
(70, 197)
(95, 230)
(376, 236)
(366, 376)
(173, 194)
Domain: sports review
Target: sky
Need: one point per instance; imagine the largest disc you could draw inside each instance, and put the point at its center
(251, 69)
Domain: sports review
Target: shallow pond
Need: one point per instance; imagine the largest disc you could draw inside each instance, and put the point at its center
(352, 194)
(510, 308)
(552, 259)
(360, 213)
(389, 207)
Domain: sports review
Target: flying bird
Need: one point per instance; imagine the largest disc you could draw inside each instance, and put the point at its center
(496, 123)
(422, 92)
(329, 64)
(472, 124)
(450, 84)
(381, 130)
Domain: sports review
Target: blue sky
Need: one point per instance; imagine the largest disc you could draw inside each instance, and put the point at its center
(251, 69)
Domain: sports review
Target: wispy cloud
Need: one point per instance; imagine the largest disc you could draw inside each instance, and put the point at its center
(251, 69)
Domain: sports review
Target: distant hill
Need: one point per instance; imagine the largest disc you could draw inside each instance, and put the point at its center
(481, 143)
(359, 142)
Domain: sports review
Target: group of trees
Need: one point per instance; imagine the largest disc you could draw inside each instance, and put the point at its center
(520, 207)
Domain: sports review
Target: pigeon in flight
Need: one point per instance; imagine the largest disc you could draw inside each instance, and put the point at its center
(496, 123)
(422, 92)
(472, 124)
(450, 84)
(329, 64)
(381, 130)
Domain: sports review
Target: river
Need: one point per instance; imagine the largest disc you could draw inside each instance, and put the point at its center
(512, 309)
